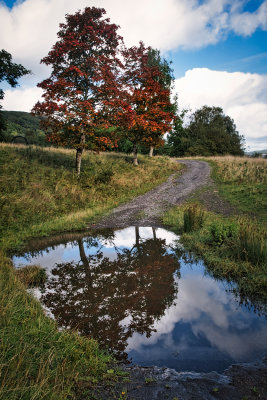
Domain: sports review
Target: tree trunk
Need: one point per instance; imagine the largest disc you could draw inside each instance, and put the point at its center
(79, 154)
(137, 236)
(135, 161)
(154, 233)
(85, 262)
(151, 151)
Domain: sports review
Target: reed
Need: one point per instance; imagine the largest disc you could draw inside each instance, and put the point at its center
(193, 217)
(252, 243)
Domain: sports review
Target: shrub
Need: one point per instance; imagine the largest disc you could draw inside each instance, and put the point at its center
(221, 231)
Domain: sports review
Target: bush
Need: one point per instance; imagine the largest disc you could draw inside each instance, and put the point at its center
(193, 218)
(222, 231)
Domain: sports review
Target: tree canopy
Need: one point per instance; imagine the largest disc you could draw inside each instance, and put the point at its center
(9, 72)
(146, 105)
(96, 83)
(79, 95)
(209, 132)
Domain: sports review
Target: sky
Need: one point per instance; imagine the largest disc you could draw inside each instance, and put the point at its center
(218, 50)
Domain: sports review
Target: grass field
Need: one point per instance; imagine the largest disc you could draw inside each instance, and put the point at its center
(41, 194)
(243, 182)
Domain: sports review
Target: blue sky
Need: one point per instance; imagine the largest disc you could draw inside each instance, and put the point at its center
(245, 54)
(218, 49)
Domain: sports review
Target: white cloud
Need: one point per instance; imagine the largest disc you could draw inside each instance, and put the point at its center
(246, 23)
(21, 99)
(206, 306)
(241, 95)
(29, 29)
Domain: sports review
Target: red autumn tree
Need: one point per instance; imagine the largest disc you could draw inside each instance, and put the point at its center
(79, 95)
(146, 106)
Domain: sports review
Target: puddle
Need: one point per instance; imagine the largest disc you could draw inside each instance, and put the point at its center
(138, 293)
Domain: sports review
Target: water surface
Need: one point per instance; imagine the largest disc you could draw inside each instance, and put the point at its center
(140, 295)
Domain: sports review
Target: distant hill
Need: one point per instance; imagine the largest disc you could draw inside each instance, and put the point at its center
(20, 123)
(256, 152)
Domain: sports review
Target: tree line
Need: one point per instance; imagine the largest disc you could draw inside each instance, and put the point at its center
(102, 95)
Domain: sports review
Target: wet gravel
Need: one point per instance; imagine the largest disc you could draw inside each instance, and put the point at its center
(146, 210)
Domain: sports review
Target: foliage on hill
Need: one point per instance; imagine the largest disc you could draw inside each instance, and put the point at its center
(10, 73)
(19, 123)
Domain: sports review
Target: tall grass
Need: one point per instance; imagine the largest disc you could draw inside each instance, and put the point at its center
(31, 275)
(241, 169)
(252, 243)
(243, 182)
(232, 248)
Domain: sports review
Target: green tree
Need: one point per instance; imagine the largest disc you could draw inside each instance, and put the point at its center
(178, 140)
(9, 72)
(209, 132)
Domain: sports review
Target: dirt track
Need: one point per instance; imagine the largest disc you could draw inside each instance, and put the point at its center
(145, 210)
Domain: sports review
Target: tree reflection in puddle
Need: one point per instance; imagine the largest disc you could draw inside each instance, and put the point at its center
(122, 289)
(96, 294)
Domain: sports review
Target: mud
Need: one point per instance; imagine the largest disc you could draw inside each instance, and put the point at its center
(239, 382)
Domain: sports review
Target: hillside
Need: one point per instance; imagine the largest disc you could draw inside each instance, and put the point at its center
(256, 152)
(20, 123)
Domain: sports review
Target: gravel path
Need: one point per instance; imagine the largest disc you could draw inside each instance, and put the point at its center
(146, 210)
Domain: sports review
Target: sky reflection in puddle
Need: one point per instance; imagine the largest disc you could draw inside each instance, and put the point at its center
(137, 293)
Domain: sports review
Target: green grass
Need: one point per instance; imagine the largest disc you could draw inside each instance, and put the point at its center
(41, 193)
(243, 182)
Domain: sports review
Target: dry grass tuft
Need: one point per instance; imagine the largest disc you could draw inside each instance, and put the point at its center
(31, 275)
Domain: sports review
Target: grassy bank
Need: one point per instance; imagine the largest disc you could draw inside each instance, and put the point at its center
(41, 194)
(235, 247)
(243, 182)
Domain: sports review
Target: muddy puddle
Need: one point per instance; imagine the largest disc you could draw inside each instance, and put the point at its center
(142, 296)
